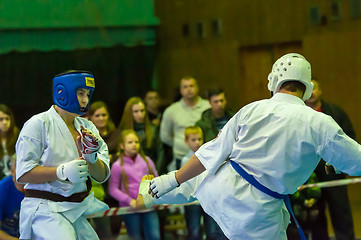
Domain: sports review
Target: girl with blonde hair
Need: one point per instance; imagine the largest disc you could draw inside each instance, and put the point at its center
(125, 178)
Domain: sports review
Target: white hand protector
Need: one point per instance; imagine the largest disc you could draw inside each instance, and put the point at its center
(89, 145)
(163, 184)
(143, 190)
(75, 171)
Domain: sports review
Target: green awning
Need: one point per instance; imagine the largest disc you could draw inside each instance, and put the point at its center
(49, 25)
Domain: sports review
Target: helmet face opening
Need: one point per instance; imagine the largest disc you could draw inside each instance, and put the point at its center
(291, 67)
(65, 88)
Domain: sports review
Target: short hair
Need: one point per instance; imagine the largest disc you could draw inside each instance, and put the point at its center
(188, 78)
(150, 90)
(214, 92)
(192, 130)
(293, 86)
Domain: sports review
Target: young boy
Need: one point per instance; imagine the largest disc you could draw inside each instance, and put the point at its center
(56, 152)
(193, 136)
(194, 139)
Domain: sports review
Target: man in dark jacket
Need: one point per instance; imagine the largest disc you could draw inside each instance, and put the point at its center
(217, 116)
(335, 197)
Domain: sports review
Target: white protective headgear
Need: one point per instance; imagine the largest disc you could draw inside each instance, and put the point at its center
(291, 67)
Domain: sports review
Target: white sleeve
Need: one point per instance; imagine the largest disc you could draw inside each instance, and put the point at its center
(29, 147)
(213, 153)
(343, 153)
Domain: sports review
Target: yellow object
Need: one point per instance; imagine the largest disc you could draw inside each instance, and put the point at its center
(98, 190)
(89, 82)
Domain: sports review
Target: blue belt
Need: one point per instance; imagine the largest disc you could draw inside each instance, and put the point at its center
(256, 184)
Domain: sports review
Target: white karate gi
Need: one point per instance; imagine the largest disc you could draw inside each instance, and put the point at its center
(45, 140)
(279, 141)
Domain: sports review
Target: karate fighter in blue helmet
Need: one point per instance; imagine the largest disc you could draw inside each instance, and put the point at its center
(57, 153)
(265, 152)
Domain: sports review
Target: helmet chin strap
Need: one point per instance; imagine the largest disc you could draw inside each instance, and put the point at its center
(271, 93)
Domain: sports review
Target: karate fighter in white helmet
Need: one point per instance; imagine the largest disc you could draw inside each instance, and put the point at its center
(56, 153)
(277, 141)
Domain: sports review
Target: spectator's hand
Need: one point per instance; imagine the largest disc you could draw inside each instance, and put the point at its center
(88, 144)
(163, 184)
(133, 204)
(140, 202)
(147, 177)
(75, 171)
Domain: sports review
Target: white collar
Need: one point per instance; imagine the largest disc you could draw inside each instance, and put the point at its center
(284, 97)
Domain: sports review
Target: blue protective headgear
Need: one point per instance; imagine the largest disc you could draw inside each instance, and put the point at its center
(65, 86)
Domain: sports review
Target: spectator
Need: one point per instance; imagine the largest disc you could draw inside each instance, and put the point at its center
(214, 119)
(99, 115)
(136, 117)
(12, 193)
(181, 114)
(152, 103)
(8, 136)
(336, 198)
(126, 174)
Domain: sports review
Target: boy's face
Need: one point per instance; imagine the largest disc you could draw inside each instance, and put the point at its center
(194, 141)
(83, 97)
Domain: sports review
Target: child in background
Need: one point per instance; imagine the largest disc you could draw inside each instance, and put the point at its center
(126, 174)
(194, 139)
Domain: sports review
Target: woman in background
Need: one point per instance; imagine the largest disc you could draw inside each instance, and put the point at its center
(136, 117)
(99, 115)
(9, 133)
